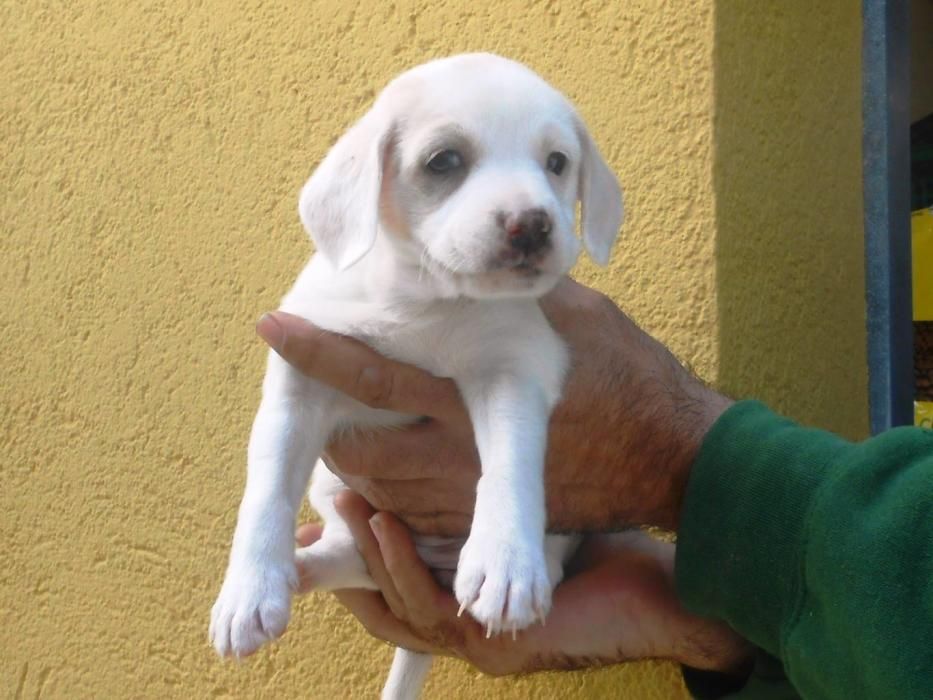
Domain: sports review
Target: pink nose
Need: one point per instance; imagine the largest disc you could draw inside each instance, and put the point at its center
(530, 231)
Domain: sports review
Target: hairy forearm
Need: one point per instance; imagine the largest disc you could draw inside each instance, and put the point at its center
(633, 440)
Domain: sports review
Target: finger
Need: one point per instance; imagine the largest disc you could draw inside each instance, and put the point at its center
(308, 534)
(444, 508)
(423, 598)
(434, 496)
(566, 294)
(357, 512)
(434, 522)
(419, 451)
(355, 369)
(565, 287)
(374, 614)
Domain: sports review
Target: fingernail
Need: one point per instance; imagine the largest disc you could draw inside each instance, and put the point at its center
(375, 524)
(371, 378)
(269, 329)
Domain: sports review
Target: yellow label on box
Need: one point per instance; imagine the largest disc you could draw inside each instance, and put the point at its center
(921, 226)
(923, 414)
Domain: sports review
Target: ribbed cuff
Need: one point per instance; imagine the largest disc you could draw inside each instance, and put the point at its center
(711, 685)
(765, 680)
(742, 533)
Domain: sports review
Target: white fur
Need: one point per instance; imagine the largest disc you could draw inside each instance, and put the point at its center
(421, 269)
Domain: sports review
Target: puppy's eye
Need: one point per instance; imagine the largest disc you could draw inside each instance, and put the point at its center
(444, 161)
(556, 162)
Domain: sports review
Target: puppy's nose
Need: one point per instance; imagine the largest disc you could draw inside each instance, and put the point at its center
(530, 231)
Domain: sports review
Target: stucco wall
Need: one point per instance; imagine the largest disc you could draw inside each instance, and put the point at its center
(152, 154)
(789, 232)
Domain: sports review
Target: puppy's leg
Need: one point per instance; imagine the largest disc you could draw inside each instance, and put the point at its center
(333, 562)
(502, 576)
(407, 675)
(288, 434)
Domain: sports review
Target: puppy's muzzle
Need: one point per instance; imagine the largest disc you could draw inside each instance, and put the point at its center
(528, 233)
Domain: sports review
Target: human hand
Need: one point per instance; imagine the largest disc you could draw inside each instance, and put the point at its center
(620, 443)
(617, 604)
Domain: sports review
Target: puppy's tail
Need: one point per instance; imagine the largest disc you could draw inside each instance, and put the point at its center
(407, 675)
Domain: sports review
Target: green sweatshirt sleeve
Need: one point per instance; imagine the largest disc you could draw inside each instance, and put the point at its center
(817, 550)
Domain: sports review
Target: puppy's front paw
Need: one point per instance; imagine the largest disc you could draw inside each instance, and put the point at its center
(253, 607)
(503, 581)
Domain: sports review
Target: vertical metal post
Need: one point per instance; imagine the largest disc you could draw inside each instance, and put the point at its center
(886, 172)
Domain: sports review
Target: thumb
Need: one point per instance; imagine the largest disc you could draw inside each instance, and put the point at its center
(356, 369)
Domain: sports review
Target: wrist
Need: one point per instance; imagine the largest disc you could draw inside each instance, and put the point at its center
(661, 441)
(711, 685)
(696, 412)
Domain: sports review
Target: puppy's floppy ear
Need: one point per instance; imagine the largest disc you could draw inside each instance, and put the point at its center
(339, 205)
(600, 200)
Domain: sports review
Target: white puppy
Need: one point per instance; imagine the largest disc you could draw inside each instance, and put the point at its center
(439, 219)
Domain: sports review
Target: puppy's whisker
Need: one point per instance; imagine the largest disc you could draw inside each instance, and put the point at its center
(424, 263)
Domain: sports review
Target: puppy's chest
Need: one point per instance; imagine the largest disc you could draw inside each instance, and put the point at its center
(464, 341)
(441, 348)
(461, 339)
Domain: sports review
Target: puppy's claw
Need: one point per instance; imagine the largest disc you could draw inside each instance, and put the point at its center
(488, 630)
(467, 603)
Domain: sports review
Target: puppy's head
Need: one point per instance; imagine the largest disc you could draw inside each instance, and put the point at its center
(471, 168)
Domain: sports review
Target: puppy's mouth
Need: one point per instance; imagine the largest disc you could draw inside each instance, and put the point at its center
(525, 268)
(506, 273)
(522, 264)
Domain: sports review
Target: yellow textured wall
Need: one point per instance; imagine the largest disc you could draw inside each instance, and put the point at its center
(787, 177)
(151, 158)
